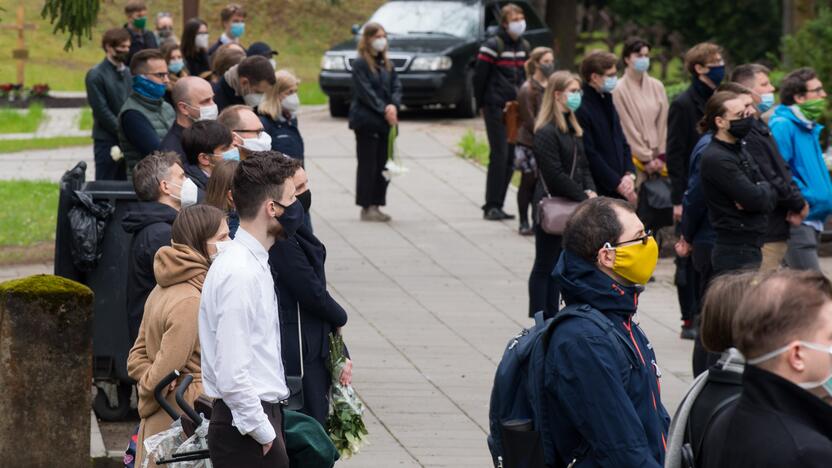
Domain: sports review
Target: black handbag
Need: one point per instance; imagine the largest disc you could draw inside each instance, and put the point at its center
(295, 401)
(655, 207)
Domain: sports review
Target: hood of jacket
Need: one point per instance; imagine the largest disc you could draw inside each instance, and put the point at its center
(179, 263)
(142, 214)
(233, 80)
(793, 114)
(582, 282)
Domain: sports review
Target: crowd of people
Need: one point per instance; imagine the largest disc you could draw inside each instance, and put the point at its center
(743, 180)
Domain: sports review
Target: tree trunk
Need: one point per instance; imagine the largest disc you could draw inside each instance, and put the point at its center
(795, 15)
(561, 16)
(190, 9)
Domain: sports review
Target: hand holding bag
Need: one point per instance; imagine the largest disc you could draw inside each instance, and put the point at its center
(553, 212)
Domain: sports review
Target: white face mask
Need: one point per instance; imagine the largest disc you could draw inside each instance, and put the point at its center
(253, 99)
(221, 247)
(263, 142)
(291, 103)
(825, 383)
(379, 44)
(187, 193)
(205, 113)
(201, 41)
(517, 28)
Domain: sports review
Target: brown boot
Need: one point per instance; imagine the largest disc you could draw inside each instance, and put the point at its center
(371, 214)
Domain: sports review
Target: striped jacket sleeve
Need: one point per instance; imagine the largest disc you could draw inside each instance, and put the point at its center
(486, 61)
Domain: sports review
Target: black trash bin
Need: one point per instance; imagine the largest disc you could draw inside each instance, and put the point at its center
(108, 280)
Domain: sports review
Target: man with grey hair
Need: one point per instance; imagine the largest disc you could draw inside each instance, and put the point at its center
(162, 189)
(164, 28)
(246, 129)
(193, 100)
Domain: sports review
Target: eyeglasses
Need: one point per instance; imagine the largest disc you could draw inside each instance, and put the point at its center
(819, 89)
(258, 131)
(643, 239)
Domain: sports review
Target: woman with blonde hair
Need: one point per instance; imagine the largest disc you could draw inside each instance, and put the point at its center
(563, 172)
(376, 99)
(279, 115)
(168, 337)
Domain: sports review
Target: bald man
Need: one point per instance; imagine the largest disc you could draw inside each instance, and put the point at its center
(193, 100)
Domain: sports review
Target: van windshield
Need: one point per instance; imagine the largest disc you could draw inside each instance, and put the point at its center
(458, 19)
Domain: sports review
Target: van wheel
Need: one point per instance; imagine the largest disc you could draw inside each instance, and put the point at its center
(338, 107)
(466, 108)
(113, 411)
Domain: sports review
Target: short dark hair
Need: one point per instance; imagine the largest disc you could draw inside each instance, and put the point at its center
(715, 107)
(597, 62)
(257, 69)
(291, 165)
(204, 136)
(140, 59)
(114, 37)
(133, 6)
(151, 171)
(633, 46)
(795, 83)
(593, 224)
(230, 10)
(258, 177)
(747, 73)
(194, 225)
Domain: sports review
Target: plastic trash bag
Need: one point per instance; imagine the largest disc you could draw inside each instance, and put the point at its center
(87, 220)
(198, 441)
(163, 444)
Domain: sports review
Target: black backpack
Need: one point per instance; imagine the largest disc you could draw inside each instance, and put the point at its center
(517, 436)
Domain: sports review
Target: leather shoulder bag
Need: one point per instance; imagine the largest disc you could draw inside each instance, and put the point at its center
(553, 212)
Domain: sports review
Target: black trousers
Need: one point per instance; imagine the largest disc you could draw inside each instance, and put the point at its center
(105, 167)
(370, 184)
(525, 193)
(687, 288)
(230, 449)
(544, 293)
(701, 258)
(733, 257)
(499, 162)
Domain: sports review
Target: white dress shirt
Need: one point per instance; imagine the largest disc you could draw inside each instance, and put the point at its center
(239, 333)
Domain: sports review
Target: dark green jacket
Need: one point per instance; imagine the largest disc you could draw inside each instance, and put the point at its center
(107, 89)
(160, 115)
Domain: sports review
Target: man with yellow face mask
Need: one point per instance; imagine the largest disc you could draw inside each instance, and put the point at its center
(602, 402)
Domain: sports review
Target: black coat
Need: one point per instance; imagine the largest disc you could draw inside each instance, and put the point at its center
(730, 177)
(173, 142)
(774, 424)
(682, 118)
(150, 223)
(224, 95)
(762, 147)
(140, 40)
(371, 93)
(107, 89)
(604, 142)
(198, 64)
(286, 137)
(554, 152)
(300, 280)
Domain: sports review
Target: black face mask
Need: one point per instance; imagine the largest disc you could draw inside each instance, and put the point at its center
(739, 128)
(305, 199)
(291, 219)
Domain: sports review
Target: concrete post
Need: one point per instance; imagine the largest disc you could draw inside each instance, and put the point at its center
(45, 372)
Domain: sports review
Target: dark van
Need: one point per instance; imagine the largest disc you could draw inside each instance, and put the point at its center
(433, 45)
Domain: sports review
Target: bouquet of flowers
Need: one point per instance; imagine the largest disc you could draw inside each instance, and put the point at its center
(344, 425)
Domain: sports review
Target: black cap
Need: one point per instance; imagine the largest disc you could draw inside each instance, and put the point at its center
(260, 48)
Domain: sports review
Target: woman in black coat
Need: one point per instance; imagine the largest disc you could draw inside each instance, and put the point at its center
(300, 280)
(195, 48)
(376, 98)
(564, 172)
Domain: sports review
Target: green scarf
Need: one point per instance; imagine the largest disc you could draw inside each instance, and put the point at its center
(813, 108)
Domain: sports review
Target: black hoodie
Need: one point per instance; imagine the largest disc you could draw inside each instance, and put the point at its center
(150, 223)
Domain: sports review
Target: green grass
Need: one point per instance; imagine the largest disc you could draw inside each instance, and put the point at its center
(28, 213)
(301, 30)
(474, 148)
(11, 146)
(86, 119)
(21, 121)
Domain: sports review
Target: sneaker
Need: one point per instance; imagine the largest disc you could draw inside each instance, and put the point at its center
(524, 229)
(383, 216)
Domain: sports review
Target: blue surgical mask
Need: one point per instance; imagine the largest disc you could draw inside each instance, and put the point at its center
(292, 218)
(609, 83)
(176, 66)
(716, 74)
(767, 100)
(231, 155)
(237, 29)
(148, 88)
(573, 100)
(641, 64)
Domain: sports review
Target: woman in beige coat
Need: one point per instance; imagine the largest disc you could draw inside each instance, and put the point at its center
(168, 337)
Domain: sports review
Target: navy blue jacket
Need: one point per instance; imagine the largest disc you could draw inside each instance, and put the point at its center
(603, 410)
(224, 95)
(300, 281)
(285, 135)
(605, 146)
(695, 226)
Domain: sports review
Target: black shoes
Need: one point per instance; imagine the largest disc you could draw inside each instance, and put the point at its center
(524, 229)
(689, 331)
(496, 214)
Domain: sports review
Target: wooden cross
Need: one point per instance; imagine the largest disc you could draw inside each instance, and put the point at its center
(21, 53)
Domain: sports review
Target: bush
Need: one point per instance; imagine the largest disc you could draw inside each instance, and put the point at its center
(811, 46)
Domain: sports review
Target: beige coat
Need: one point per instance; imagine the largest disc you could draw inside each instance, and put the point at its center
(168, 337)
(642, 108)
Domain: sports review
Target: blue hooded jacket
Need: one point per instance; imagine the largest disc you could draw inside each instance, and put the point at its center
(601, 409)
(798, 140)
(695, 225)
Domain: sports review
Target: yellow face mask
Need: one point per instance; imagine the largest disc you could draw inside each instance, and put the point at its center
(636, 262)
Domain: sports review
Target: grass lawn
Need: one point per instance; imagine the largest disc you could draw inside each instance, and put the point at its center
(21, 121)
(10, 146)
(301, 30)
(86, 119)
(27, 221)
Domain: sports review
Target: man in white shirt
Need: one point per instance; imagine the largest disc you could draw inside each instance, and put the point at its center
(239, 328)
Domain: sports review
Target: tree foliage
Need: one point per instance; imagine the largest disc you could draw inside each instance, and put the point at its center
(811, 46)
(73, 17)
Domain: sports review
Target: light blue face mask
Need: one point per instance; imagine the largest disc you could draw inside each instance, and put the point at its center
(641, 64)
(231, 155)
(767, 100)
(573, 100)
(826, 383)
(237, 29)
(609, 83)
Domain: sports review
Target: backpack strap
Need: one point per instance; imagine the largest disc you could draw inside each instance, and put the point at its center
(718, 410)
